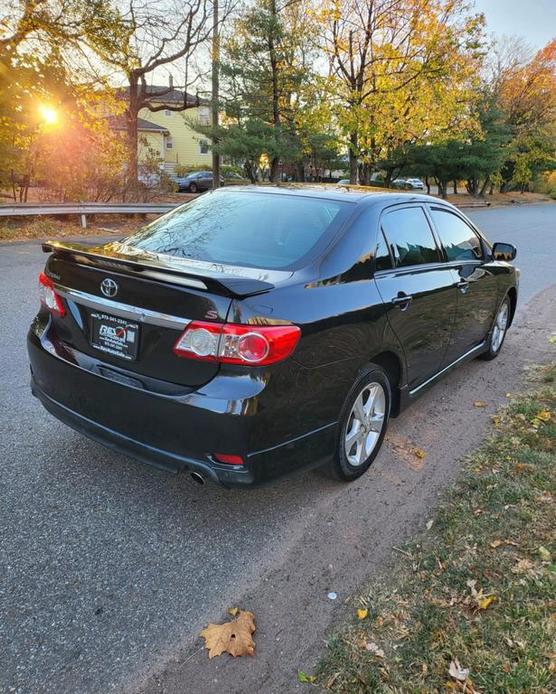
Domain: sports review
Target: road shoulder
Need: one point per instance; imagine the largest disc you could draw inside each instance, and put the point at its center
(353, 535)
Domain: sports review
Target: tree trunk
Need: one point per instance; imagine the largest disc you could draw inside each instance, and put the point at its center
(215, 95)
(455, 187)
(365, 174)
(353, 158)
(275, 170)
(442, 188)
(274, 67)
(132, 135)
(484, 187)
(427, 183)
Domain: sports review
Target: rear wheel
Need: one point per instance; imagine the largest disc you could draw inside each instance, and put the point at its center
(363, 422)
(193, 188)
(498, 331)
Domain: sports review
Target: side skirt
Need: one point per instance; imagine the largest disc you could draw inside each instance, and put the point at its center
(408, 396)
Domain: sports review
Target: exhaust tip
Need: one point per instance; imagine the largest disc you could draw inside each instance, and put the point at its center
(198, 478)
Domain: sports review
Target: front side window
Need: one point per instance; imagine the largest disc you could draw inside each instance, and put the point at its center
(410, 237)
(459, 240)
(241, 228)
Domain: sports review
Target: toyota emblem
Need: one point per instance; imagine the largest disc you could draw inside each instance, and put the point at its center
(108, 287)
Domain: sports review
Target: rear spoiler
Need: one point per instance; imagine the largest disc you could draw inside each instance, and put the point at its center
(111, 258)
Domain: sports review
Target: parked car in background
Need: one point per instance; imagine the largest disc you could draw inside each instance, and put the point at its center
(196, 182)
(344, 182)
(415, 183)
(400, 183)
(259, 330)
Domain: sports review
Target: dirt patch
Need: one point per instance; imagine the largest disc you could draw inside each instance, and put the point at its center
(26, 228)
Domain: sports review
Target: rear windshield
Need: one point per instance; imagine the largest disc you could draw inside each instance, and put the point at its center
(241, 228)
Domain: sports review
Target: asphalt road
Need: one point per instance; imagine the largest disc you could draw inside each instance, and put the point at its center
(108, 569)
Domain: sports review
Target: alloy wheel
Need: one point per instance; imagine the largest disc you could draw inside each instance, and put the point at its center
(500, 327)
(365, 424)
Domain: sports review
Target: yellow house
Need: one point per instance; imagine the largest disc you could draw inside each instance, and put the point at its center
(166, 134)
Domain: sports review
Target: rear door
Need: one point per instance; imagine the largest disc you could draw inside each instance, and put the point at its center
(477, 285)
(417, 287)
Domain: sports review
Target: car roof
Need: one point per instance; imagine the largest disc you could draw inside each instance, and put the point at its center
(353, 194)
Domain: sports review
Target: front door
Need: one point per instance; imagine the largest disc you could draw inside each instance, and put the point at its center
(476, 283)
(418, 288)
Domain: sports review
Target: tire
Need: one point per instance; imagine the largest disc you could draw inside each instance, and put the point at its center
(497, 333)
(193, 188)
(352, 461)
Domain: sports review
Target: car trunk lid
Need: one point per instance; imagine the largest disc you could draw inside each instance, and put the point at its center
(127, 308)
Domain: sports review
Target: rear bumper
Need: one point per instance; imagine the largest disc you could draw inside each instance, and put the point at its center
(175, 432)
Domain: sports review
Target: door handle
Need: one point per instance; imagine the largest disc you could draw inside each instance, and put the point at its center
(463, 286)
(402, 300)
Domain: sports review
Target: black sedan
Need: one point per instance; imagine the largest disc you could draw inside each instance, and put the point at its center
(256, 331)
(196, 182)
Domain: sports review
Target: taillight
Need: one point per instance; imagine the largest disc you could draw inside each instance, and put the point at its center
(228, 458)
(48, 296)
(231, 343)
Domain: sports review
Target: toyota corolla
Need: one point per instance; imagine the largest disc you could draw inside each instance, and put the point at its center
(257, 331)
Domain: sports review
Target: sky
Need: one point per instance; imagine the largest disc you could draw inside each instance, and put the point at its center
(534, 20)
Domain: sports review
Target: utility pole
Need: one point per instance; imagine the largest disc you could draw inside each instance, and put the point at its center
(215, 95)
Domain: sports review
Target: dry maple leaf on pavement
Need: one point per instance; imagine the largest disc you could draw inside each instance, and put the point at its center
(232, 637)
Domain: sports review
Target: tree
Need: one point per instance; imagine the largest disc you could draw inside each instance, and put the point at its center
(392, 67)
(264, 70)
(152, 36)
(43, 48)
(525, 88)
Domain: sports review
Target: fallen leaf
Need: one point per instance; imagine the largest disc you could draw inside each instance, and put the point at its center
(304, 678)
(429, 524)
(457, 672)
(233, 611)
(544, 415)
(552, 339)
(522, 566)
(419, 453)
(232, 637)
(486, 601)
(496, 543)
(362, 613)
(544, 554)
(375, 650)
(479, 403)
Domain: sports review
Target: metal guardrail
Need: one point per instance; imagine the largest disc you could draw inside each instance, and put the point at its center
(83, 209)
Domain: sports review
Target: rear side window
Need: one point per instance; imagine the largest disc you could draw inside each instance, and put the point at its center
(242, 228)
(410, 237)
(457, 237)
(383, 261)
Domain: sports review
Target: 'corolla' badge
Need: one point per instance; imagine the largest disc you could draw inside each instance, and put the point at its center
(108, 287)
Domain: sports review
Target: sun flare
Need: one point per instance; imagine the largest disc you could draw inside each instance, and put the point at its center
(48, 114)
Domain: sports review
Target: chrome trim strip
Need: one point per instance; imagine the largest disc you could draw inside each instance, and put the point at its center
(144, 315)
(446, 368)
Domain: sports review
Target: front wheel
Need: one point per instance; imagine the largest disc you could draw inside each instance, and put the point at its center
(498, 331)
(362, 425)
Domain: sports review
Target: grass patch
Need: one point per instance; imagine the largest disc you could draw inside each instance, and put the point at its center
(479, 588)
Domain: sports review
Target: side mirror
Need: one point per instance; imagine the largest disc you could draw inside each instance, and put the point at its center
(504, 251)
